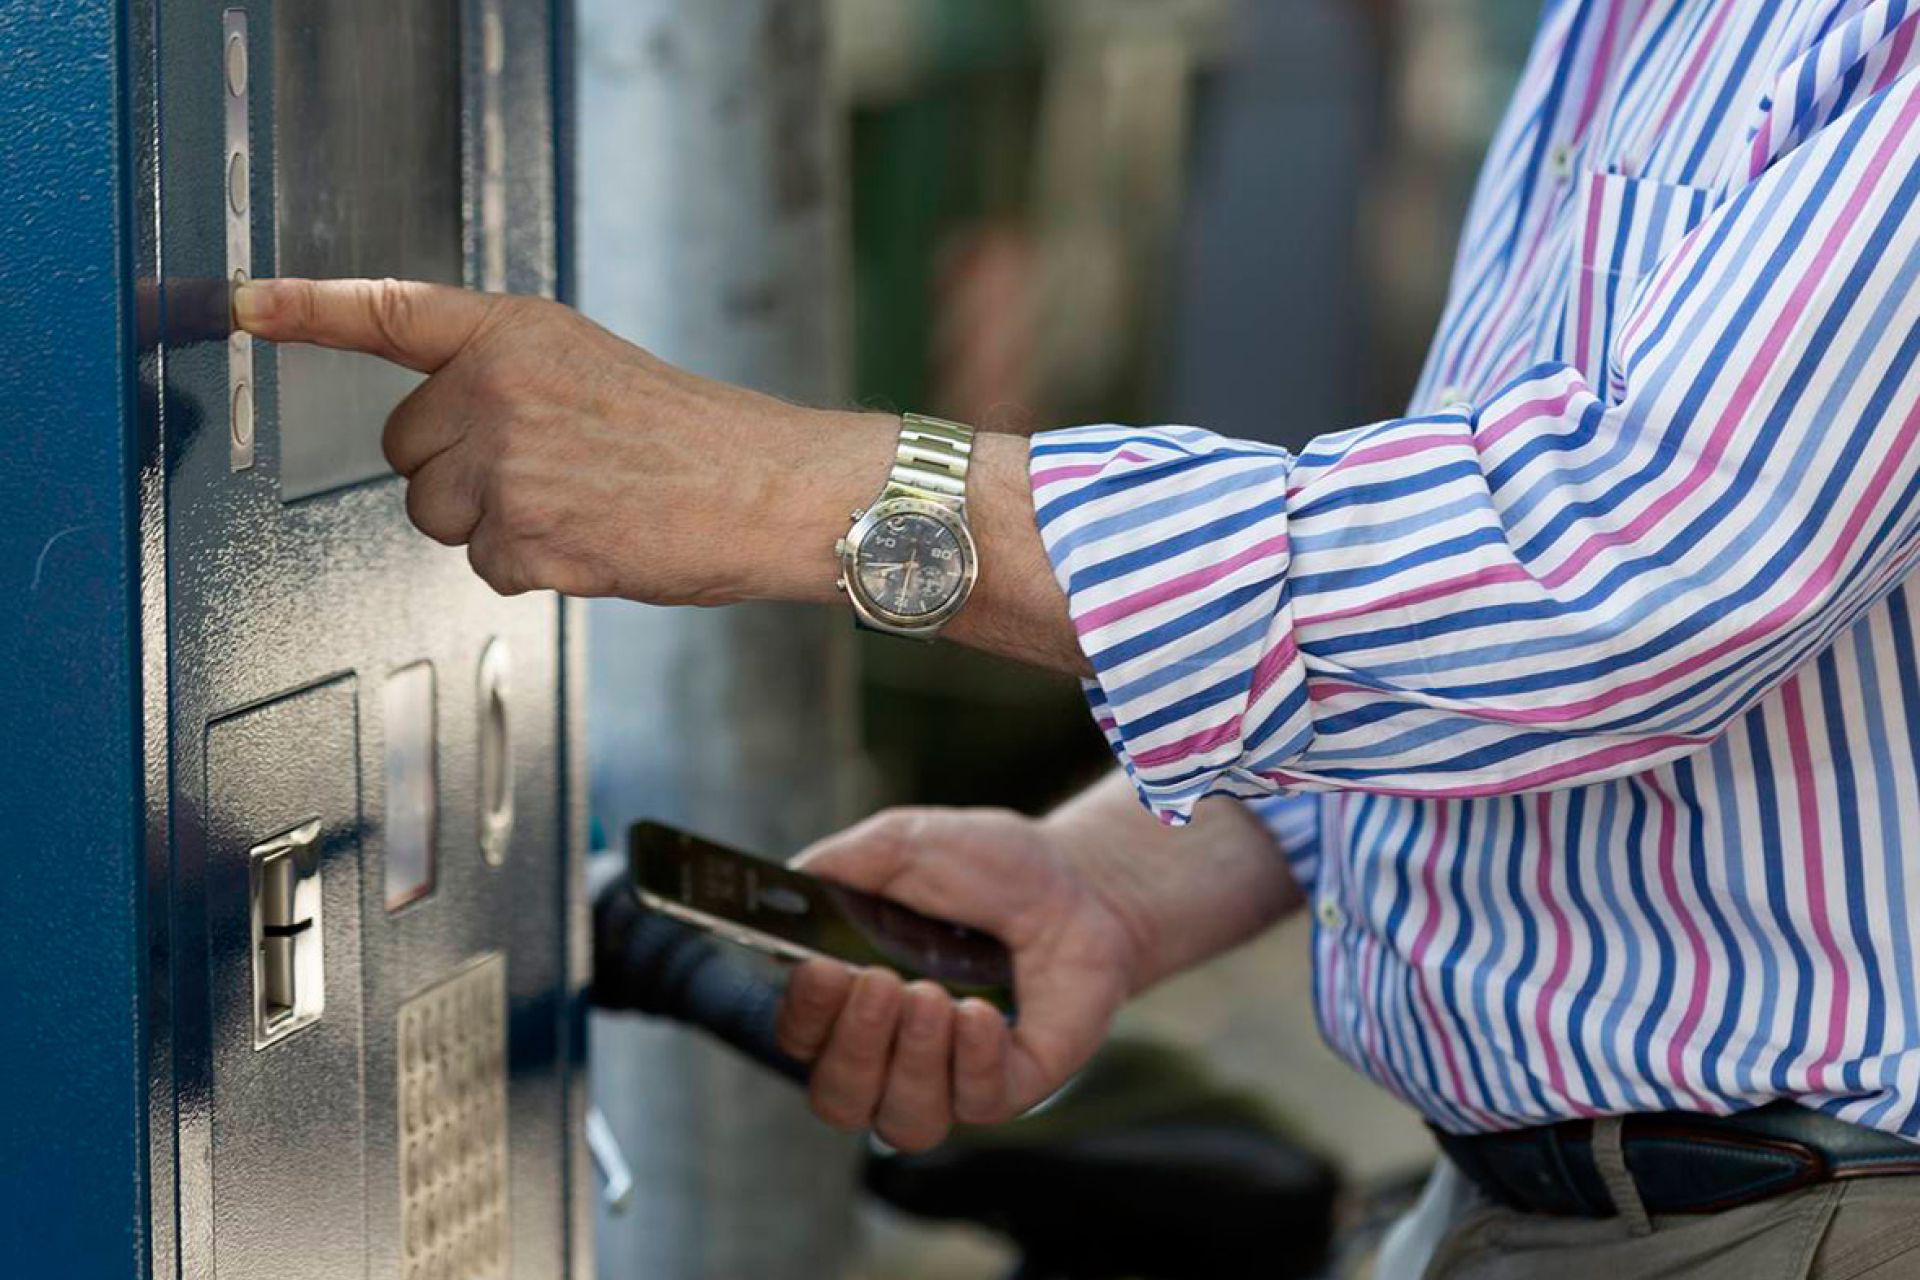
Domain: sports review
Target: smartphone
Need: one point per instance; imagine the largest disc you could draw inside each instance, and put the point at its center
(760, 904)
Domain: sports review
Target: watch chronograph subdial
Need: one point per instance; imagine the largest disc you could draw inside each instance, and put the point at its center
(910, 565)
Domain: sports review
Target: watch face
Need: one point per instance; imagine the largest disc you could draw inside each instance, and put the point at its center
(910, 565)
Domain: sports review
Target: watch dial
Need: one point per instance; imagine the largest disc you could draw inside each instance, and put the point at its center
(910, 565)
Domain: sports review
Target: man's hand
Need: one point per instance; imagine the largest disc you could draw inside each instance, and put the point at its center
(906, 1058)
(567, 459)
(1097, 902)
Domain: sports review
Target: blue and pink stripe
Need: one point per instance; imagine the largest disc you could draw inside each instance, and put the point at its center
(1584, 699)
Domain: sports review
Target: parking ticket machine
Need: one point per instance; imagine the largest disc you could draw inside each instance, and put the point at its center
(291, 939)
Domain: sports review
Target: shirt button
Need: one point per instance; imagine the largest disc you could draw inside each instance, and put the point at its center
(1331, 916)
(1560, 160)
(1450, 396)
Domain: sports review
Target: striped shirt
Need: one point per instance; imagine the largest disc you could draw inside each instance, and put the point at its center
(1584, 699)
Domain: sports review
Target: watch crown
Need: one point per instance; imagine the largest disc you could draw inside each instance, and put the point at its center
(839, 584)
(859, 512)
(840, 547)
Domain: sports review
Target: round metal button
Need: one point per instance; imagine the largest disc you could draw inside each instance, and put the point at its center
(242, 420)
(237, 182)
(236, 66)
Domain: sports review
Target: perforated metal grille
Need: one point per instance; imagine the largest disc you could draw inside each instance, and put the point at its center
(453, 1127)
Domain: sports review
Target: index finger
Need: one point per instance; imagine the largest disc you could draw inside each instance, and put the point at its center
(409, 322)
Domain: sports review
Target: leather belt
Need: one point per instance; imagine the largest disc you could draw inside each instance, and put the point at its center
(1680, 1162)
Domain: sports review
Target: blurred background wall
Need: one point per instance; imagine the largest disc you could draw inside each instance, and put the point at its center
(1238, 214)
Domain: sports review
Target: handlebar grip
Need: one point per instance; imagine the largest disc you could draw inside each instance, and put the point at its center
(647, 963)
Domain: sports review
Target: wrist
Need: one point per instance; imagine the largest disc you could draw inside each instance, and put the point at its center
(816, 467)
(1102, 866)
(1183, 894)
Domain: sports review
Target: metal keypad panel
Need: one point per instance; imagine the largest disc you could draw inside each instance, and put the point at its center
(453, 1126)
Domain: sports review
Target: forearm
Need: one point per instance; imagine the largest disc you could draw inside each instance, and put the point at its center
(1016, 610)
(1186, 894)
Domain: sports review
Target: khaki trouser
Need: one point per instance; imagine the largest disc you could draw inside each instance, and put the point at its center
(1864, 1229)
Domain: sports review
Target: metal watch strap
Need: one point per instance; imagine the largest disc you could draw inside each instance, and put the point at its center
(930, 461)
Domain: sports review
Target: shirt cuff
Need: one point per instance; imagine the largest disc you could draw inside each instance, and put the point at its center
(1171, 545)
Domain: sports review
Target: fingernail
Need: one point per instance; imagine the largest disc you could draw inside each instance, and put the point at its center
(252, 303)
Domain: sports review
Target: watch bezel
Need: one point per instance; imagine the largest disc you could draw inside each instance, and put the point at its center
(882, 619)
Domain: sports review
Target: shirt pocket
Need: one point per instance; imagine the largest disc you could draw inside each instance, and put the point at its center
(1622, 228)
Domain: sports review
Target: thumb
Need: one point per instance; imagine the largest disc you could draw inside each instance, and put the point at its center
(973, 868)
(421, 326)
(867, 855)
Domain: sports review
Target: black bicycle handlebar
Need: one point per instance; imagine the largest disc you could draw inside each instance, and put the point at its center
(648, 963)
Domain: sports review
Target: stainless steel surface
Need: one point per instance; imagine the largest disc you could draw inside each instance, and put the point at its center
(931, 460)
(452, 1094)
(929, 479)
(289, 931)
(288, 1121)
(287, 1160)
(238, 177)
(710, 232)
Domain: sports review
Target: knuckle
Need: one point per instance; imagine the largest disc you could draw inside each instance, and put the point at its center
(305, 304)
(491, 567)
(905, 826)
(390, 438)
(570, 576)
(495, 378)
(392, 310)
(419, 509)
(511, 504)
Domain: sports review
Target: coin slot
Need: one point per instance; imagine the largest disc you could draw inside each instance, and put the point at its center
(289, 976)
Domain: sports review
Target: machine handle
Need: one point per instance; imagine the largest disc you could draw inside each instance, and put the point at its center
(645, 962)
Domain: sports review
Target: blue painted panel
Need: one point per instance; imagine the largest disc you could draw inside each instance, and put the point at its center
(72, 1168)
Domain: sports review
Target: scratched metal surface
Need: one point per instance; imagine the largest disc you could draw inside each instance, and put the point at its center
(72, 1175)
(261, 598)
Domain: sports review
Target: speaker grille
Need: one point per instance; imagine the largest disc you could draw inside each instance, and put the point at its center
(453, 1126)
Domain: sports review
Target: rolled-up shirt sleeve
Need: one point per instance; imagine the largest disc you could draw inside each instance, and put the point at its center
(1555, 584)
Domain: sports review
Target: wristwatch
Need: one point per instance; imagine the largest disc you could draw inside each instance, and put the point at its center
(908, 563)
